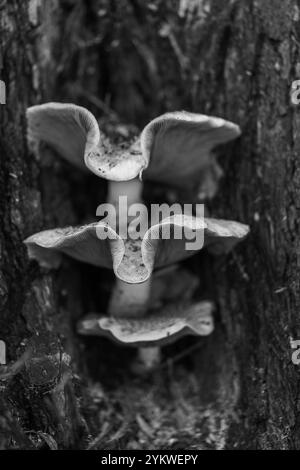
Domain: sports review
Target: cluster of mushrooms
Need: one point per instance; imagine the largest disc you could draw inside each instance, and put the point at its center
(174, 150)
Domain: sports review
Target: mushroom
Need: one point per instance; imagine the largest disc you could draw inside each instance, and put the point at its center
(176, 148)
(133, 261)
(157, 328)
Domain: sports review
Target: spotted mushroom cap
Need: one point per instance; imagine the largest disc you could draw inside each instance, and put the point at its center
(173, 148)
(133, 261)
(160, 327)
(73, 132)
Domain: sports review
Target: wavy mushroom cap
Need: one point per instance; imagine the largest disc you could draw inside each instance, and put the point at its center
(134, 260)
(173, 148)
(160, 327)
(178, 145)
(73, 132)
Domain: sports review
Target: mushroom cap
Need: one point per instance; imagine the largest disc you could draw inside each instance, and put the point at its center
(156, 329)
(177, 146)
(173, 148)
(134, 260)
(73, 132)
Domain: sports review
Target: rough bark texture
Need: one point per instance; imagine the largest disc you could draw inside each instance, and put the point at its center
(37, 389)
(128, 61)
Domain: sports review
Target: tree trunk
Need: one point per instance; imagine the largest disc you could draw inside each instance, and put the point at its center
(129, 61)
(38, 402)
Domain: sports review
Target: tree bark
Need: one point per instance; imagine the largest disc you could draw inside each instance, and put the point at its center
(129, 61)
(38, 402)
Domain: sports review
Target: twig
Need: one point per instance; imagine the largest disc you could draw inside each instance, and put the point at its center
(100, 436)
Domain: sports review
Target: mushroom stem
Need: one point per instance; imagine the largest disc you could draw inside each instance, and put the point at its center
(122, 194)
(148, 358)
(130, 300)
(118, 189)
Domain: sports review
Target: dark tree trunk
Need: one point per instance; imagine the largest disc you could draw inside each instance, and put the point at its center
(129, 61)
(37, 388)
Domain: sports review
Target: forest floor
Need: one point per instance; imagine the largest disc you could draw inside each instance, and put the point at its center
(161, 410)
